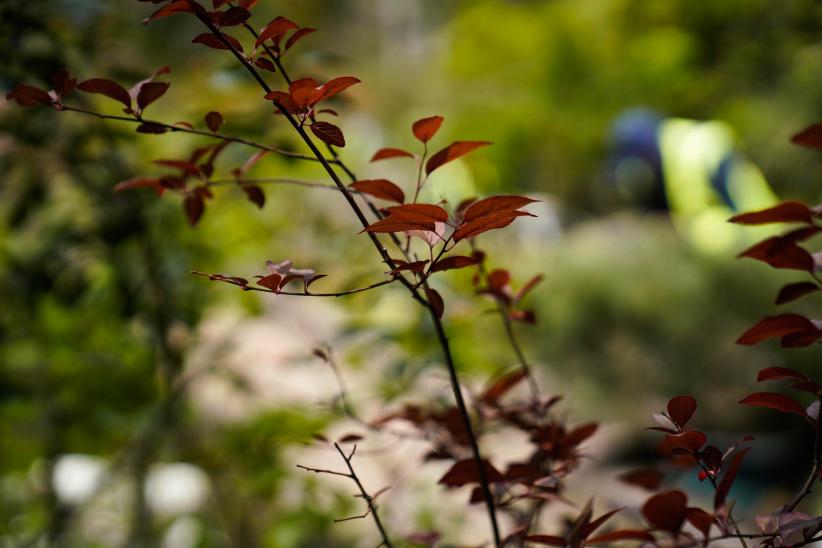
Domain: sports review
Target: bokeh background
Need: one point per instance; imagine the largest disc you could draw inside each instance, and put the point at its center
(99, 310)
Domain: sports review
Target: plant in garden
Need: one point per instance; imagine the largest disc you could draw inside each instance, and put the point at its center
(415, 241)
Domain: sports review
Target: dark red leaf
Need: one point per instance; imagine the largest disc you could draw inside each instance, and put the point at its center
(272, 281)
(435, 300)
(385, 153)
(452, 152)
(776, 326)
(150, 92)
(546, 540)
(193, 206)
(456, 261)
(63, 82)
(266, 64)
(140, 182)
(781, 252)
(466, 471)
(255, 194)
(380, 188)
(791, 292)
(495, 204)
(624, 534)
(233, 16)
(335, 86)
(502, 385)
(423, 212)
(700, 519)
(284, 100)
(415, 266)
(426, 128)
(214, 120)
(274, 28)
(108, 88)
(785, 212)
(498, 279)
(177, 6)
(350, 438)
(328, 133)
(666, 511)
(780, 402)
(580, 434)
(297, 36)
(529, 285)
(810, 137)
(152, 127)
(487, 222)
(598, 522)
(728, 478)
(780, 373)
(690, 441)
(681, 409)
(647, 478)
(212, 41)
(27, 96)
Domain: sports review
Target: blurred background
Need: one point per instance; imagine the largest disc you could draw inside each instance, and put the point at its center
(143, 406)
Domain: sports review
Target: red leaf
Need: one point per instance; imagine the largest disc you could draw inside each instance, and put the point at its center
(193, 206)
(435, 300)
(666, 511)
(423, 212)
(27, 96)
(781, 252)
(530, 285)
(785, 212)
(150, 92)
(495, 204)
(151, 127)
(212, 41)
(700, 519)
(380, 188)
(728, 478)
(266, 64)
(581, 433)
(690, 441)
(780, 373)
(599, 522)
(426, 128)
(255, 194)
(547, 540)
(415, 266)
(328, 133)
(140, 182)
(780, 402)
(487, 222)
(791, 292)
(108, 88)
(498, 279)
(647, 478)
(275, 27)
(272, 281)
(810, 137)
(466, 471)
(63, 82)
(297, 36)
(456, 261)
(452, 152)
(624, 534)
(681, 409)
(284, 100)
(776, 326)
(335, 86)
(178, 6)
(502, 385)
(385, 153)
(213, 120)
(233, 16)
(397, 224)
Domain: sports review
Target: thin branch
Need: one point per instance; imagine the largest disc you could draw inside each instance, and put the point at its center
(296, 294)
(182, 129)
(813, 475)
(274, 181)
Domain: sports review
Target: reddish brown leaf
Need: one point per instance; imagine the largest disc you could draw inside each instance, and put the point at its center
(647, 478)
(666, 511)
(266, 64)
(681, 409)
(297, 36)
(791, 292)
(780, 373)
(456, 261)
(466, 471)
(728, 478)
(617, 536)
(498, 279)
(546, 540)
(452, 152)
(426, 128)
(598, 522)
(152, 127)
(385, 153)
(272, 281)
(421, 212)
(700, 519)
(177, 6)
(380, 188)
(233, 16)
(435, 300)
(213, 120)
(63, 82)
(193, 206)
(690, 441)
(284, 100)
(529, 285)
(781, 252)
(335, 86)
(487, 222)
(415, 266)
(581, 433)
(140, 182)
(274, 28)
(397, 224)
(212, 41)
(779, 402)
(150, 92)
(108, 88)
(27, 96)
(255, 194)
(785, 212)
(495, 204)
(810, 137)
(328, 133)
(502, 385)
(776, 326)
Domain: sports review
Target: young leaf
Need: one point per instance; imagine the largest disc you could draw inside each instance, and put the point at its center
(108, 88)
(380, 188)
(681, 409)
(435, 300)
(776, 326)
(214, 120)
(150, 92)
(786, 212)
(452, 152)
(426, 128)
(385, 153)
(791, 292)
(779, 402)
(328, 133)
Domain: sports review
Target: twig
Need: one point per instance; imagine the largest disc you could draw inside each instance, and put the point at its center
(304, 294)
(813, 476)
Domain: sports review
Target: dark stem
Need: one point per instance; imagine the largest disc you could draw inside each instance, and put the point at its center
(813, 475)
